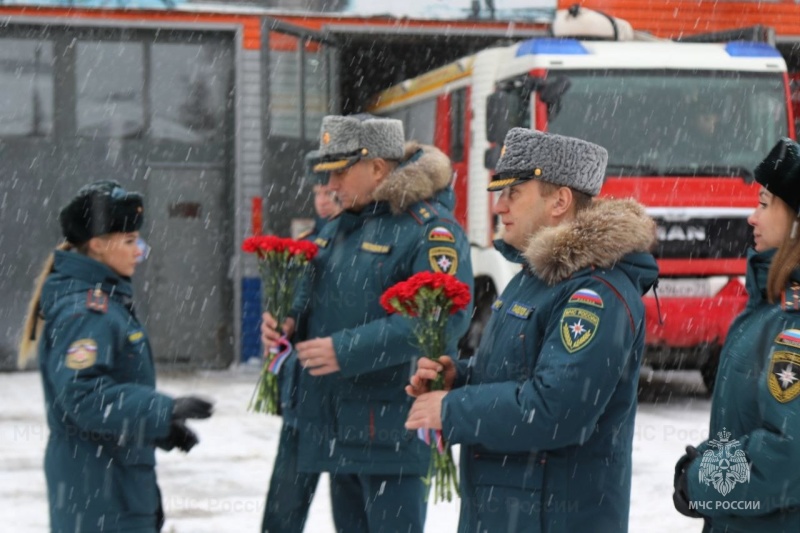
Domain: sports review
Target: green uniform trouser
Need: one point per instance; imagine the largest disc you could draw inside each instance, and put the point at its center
(290, 492)
(378, 503)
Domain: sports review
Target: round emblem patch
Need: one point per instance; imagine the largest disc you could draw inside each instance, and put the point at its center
(81, 354)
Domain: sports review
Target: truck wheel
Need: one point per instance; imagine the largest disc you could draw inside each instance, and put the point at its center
(709, 369)
(485, 295)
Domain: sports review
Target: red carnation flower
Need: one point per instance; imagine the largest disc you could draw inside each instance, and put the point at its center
(430, 298)
(282, 264)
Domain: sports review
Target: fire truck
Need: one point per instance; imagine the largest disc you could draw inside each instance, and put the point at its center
(684, 125)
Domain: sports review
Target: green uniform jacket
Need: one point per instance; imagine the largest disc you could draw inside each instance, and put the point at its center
(290, 371)
(544, 413)
(352, 421)
(102, 408)
(746, 478)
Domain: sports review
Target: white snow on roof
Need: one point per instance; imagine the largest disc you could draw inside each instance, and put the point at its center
(505, 10)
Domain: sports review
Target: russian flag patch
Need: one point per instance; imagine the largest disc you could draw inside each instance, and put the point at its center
(586, 296)
(789, 337)
(441, 234)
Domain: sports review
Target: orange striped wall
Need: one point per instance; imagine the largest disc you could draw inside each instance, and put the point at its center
(251, 24)
(675, 18)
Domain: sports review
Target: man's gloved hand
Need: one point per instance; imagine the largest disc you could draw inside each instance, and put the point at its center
(680, 498)
(191, 407)
(180, 436)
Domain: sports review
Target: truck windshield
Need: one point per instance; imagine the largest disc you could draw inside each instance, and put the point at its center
(667, 122)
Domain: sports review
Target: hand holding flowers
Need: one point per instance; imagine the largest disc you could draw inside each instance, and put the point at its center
(282, 263)
(430, 298)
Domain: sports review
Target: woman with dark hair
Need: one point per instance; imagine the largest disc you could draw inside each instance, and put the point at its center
(104, 414)
(744, 477)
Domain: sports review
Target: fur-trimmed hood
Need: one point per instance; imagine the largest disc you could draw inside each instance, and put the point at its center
(599, 236)
(419, 177)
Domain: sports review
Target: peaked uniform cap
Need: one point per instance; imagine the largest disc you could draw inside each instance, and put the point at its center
(100, 208)
(779, 172)
(557, 159)
(345, 140)
(311, 160)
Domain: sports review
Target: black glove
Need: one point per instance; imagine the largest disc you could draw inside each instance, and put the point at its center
(180, 436)
(191, 407)
(683, 462)
(680, 498)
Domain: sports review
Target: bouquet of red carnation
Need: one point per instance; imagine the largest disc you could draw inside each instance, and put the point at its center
(430, 298)
(281, 263)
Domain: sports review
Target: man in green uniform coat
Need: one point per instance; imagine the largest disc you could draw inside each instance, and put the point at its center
(397, 221)
(544, 412)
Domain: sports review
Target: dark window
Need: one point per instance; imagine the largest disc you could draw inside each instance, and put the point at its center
(316, 88)
(418, 120)
(109, 80)
(284, 90)
(189, 91)
(26, 88)
(674, 122)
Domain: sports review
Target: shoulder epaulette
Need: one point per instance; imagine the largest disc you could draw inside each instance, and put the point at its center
(790, 298)
(431, 207)
(97, 301)
(421, 212)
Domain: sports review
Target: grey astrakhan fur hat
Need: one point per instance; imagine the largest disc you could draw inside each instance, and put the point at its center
(566, 161)
(345, 140)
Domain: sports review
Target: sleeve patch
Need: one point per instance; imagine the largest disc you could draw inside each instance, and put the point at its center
(441, 234)
(586, 296)
(783, 381)
(443, 259)
(577, 328)
(322, 243)
(81, 354)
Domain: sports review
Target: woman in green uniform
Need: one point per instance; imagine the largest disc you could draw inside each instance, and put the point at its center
(104, 414)
(744, 477)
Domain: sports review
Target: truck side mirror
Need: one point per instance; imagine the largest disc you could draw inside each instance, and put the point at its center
(502, 114)
(551, 91)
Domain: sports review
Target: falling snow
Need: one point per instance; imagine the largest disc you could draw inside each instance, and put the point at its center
(220, 485)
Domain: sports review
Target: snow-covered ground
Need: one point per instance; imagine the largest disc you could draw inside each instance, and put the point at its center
(220, 486)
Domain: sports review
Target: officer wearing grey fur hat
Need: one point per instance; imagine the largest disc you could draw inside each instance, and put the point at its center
(104, 414)
(397, 221)
(346, 140)
(739, 479)
(544, 412)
